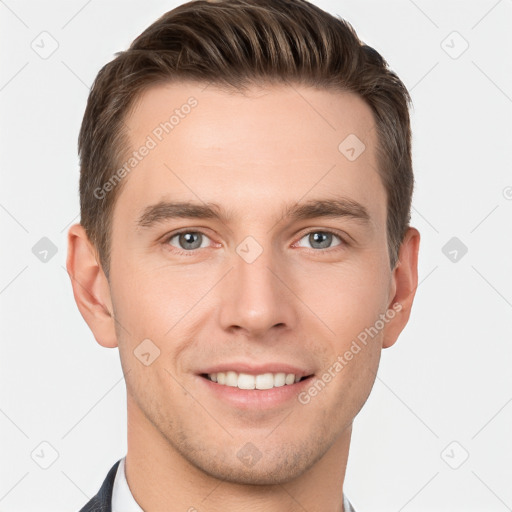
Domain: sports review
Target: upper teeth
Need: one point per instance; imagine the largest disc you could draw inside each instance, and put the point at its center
(247, 381)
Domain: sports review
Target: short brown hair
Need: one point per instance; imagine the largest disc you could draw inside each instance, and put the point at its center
(236, 43)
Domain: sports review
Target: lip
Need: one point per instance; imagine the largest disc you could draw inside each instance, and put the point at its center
(254, 399)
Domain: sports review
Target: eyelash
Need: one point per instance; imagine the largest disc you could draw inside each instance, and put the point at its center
(191, 252)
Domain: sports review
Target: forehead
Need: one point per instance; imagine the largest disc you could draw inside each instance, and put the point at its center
(276, 144)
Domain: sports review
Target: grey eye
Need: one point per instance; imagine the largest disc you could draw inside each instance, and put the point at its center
(189, 240)
(321, 239)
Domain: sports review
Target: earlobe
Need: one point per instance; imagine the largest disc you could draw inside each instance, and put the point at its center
(90, 286)
(404, 284)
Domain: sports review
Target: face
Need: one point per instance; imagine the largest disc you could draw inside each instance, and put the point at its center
(271, 278)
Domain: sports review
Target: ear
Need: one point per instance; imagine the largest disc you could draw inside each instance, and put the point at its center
(90, 286)
(404, 282)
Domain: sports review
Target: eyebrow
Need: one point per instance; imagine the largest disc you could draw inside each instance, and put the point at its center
(326, 208)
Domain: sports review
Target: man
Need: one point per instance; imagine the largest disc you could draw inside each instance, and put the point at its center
(245, 188)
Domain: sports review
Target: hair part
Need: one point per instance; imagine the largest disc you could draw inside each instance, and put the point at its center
(235, 44)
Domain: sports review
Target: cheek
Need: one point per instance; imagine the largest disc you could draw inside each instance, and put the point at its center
(149, 303)
(348, 298)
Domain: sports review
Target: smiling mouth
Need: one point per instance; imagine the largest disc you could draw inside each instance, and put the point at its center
(257, 382)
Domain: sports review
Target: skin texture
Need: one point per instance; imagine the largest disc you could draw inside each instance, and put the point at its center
(254, 155)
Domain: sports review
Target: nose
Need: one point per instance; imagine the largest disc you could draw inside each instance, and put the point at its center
(256, 297)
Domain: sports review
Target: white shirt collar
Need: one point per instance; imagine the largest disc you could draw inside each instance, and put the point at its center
(122, 497)
(347, 506)
(123, 500)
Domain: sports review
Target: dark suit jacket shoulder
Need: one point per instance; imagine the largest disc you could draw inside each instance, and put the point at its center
(102, 502)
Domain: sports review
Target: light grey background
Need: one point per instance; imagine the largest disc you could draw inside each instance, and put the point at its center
(444, 391)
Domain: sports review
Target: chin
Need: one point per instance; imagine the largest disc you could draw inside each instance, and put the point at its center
(263, 475)
(277, 466)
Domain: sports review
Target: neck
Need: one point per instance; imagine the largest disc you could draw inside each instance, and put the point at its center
(160, 478)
